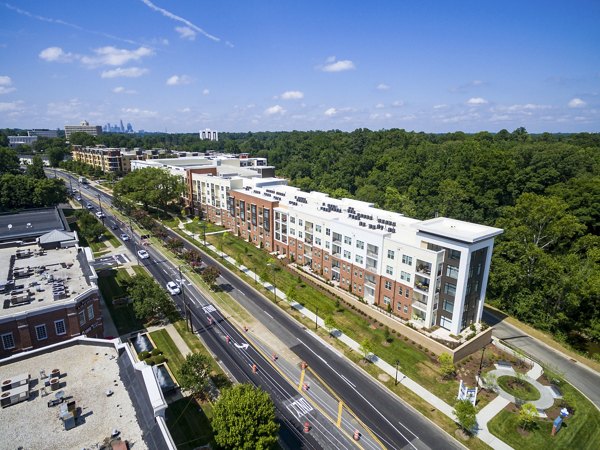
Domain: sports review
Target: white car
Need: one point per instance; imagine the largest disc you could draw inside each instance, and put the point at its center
(89, 206)
(78, 198)
(100, 215)
(173, 288)
(143, 254)
(124, 237)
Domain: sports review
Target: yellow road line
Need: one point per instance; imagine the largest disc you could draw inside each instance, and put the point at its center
(301, 379)
(340, 407)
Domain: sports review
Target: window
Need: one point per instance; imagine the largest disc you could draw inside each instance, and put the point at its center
(347, 240)
(318, 228)
(448, 305)
(81, 318)
(59, 327)
(317, 241)
(388, 284)
(327, 231)
(399, 306)
(327, 244)
(90, 312)
(326, 257)
(360, 244)
(386, 300)
(454, 254)
(389, 270)
(400, 290)
(372, 250)
(450, 289)
(405, 308)
(347, 254)
(391, 254)
(407, 259)
(300, 222)
(40, 332)
(292, 231)
(452, 271)
(292, 219)
(407, 293)
(300, 246)
(405, 276)
(300, 234)
(8, 341)
(478, 268)
(326, 270)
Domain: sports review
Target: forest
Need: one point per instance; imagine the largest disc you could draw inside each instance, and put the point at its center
(542, 189)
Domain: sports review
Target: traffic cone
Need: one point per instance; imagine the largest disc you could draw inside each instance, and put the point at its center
(305, 387)
(356, 435)
(254, 368)
(227, 338)
(303, 365)
(274, 357)
(306, 427)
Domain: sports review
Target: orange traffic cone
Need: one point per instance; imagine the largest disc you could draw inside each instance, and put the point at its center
(306, 427)
(356, 435)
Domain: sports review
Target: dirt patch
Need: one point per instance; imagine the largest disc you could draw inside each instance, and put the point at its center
(522, 432)
(383, 377)
(462, 435)
(386, 343)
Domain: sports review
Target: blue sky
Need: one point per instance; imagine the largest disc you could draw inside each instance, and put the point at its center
(181, 66)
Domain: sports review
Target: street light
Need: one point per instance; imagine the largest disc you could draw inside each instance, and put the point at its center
(137, 256)
(316, 316)
(101, 212)
(397, 363)
(481, 360)
(272, 266)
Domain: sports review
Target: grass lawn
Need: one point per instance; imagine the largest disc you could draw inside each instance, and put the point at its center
(196, 227)
(163, 341)
(580, 431)
(110, 283)
(518, 388)
(189, 424)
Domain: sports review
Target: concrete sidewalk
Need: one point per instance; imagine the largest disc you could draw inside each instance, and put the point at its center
(419, 390)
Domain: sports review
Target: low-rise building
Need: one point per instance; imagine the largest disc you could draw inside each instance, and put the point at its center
(48, 293)
(15, 141)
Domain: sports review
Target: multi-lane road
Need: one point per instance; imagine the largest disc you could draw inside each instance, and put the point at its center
(395, 424)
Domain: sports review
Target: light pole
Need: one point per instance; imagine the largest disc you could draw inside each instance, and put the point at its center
(274, 284)
(316, 316)
(397, 363)
(481, 360)
(101, 212)
(186, 308)
(137, 256)
(204, 231)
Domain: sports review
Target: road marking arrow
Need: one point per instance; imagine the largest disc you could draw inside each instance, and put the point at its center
(242, 346)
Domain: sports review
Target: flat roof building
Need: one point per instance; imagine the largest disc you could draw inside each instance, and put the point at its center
(30, 224)
(15, 141)
(83, 127)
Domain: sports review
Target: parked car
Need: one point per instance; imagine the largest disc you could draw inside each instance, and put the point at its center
(143, 254)
(173, 288)
(78, 198)
(100, 215)
(114, 226)
(125, 237)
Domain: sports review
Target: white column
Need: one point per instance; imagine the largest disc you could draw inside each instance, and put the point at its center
(484, 281)
(461, 288)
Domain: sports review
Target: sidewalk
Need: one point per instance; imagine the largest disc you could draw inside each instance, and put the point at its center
(419, 390)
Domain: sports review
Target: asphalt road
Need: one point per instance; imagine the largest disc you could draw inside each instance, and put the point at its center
(395, 423)
(583, 378)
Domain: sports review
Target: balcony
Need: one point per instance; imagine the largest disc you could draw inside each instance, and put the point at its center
(419, 305)
(423, 268)
(421, 283)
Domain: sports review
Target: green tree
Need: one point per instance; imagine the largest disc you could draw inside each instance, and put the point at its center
(9, 161)
(528, 416)
(329, 323)
(81, 138)
(194, 373)
(366, 347)
(89, 226)
(36, 168)
(447, 368)
(210, 275)
(149, 299)
(55, 156)
(244, 418)
(466, 415)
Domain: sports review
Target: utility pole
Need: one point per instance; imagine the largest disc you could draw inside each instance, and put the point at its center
(204, 229)
(316, 316)
(101, 212)
(397, 363)
(137, 256)
(272, 266)
(186, 309)
(481, 361)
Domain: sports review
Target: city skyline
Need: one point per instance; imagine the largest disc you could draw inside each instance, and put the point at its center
(182, 67)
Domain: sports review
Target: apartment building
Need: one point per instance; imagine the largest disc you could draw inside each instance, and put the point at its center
(113, 160)
(433, 272)
(48, 292)
(83, 127)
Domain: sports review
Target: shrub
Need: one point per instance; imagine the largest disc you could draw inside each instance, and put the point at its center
(470, 336)
(159, 359)
(528, 417)
(143, 355)
(156, 352)
(447, 368)
(472, 327)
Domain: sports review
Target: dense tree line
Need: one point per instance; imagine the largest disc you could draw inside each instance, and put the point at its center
(29, 189)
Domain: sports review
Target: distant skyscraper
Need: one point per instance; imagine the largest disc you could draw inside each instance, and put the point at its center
(209, 134)
(129, 128)
(122, 127)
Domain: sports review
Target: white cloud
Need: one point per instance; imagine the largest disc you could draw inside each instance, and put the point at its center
(274, 110)
(11, 106)
(186, 22)
(337, 66)
(112, 56)
(476, 101)
(292, 95)
(331, 112)
(6, 86)
(397, 103)
(186, 33)
(576, 103)
(178, 80)
(468, 86)
(130, 72)
(56, 54)
(70, 109)
(440, 106)
(137, 112)
(379, 106)
(382, 87)
(122, 90)
(185, 110)
(205, 91)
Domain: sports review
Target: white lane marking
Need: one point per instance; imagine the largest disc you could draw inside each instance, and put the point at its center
(300, 407)
(208, 309)
(243, 346)
(347, 380)
(408, 429)
(318, 356)
(268, 314)
(165, 272)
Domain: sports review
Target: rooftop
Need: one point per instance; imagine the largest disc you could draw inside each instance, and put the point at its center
(87, 372)
(30, 223)
(458, 230)
(42, 278)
